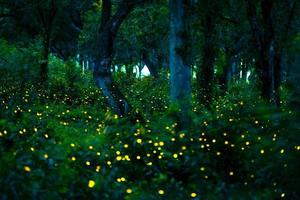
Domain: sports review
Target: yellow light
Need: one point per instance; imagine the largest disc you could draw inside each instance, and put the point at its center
(91, 183)
(97, 168)
(127, 157)
(202, 168)
(139, 141)
(262, 151)
(108, 163)
(282, 195)
(27, 168)
(161, 192)
(175, 155)
(282, 151)
(72, 145)
(193, 194)
(138, 157)
(129, 191)
(125, 145)
(45, 156)
(119, 158)
(88, 163)
(231, 173)
(123, 179)
(161, 143)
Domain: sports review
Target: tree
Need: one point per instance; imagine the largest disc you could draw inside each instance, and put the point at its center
(179, 65)
(269, 42)
(52, 21)
(205, 73)
(106, 36)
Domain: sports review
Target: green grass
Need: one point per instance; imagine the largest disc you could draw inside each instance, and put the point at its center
(64, 143)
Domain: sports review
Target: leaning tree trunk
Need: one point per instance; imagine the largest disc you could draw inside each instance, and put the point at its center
(180, 70)
(103, 75)
(105, 53)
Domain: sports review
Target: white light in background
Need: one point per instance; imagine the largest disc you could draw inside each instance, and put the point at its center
(247, 78)
(136, 71)
(194, 75)
(123, 68)
(145, 71)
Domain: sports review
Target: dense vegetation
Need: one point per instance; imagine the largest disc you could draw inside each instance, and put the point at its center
(216, 116)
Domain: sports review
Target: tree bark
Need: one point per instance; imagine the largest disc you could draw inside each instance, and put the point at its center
(47, 20)
(105, 41)
(205, 74)
(45, 59)
(179, 67)
(270, 54)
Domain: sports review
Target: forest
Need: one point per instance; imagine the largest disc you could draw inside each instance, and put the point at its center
(150, 99)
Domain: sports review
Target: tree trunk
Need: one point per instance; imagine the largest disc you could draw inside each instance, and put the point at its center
(179, 67)
(103, 74)
(115, 98)
(205, 74)
(277, 77)
(269, 59)
(105, 41)
(45, 60)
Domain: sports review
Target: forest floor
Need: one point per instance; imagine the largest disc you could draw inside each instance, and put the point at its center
(63, 143)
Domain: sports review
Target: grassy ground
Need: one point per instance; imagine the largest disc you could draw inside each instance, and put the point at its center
(63, 143)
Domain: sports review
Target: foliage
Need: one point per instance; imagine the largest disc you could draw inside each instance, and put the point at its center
(60, 139)
(61, 142)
